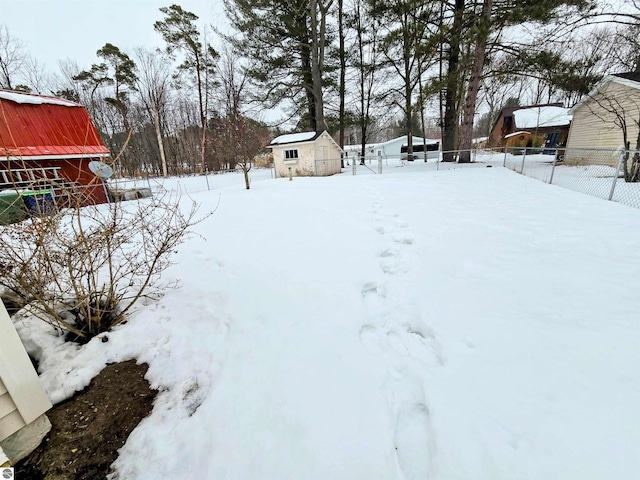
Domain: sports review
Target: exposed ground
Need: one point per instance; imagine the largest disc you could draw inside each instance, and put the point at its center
(88, 429)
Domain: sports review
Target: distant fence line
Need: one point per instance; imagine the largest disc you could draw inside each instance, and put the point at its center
(597, 172)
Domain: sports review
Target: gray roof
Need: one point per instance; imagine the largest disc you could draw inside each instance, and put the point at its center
(633, 76)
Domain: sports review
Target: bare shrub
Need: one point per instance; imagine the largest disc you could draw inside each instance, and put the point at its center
(82, 269)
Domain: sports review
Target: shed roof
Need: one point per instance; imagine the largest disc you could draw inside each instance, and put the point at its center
(37, 126)
(515, 134)
(295, 138)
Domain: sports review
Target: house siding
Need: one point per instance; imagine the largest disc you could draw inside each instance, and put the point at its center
(595, 128)
(22, 398)
(10, 418)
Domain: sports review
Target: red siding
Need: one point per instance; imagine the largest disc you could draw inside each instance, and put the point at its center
(78, 171)
(29, 131)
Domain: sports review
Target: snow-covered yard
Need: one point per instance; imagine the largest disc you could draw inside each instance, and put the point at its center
(463, 324)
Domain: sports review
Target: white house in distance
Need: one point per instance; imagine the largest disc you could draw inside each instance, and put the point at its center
(396, 148)
(306, 154)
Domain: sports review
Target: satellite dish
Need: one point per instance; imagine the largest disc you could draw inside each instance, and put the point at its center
(101, 170)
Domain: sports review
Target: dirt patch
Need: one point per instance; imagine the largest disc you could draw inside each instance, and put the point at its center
(88, 429)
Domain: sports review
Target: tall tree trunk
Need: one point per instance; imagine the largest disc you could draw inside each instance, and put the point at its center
(450, 120)
(422, 127)
(408, 89)
(343, 69)
(307, 79)
(317, 60)
(469, 109)
(163, 158)
(203, 117)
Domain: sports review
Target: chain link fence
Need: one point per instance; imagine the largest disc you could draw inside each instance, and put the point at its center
(605, 173)
(608, 174)
(188, 184)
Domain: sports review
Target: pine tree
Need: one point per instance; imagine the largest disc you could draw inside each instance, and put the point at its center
(179, 31)
(285, 41)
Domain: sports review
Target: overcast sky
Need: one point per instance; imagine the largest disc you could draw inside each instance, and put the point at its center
(54, 30)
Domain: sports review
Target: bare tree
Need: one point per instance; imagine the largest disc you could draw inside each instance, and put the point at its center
(620, 110)
(407, 46)
(153, 84)
(13, 56)
(238, 139)
(366, 60)
(37, 77)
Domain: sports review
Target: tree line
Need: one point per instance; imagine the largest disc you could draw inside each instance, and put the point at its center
(364, 70)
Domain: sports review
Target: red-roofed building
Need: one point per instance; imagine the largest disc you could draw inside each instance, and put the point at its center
(47, 143)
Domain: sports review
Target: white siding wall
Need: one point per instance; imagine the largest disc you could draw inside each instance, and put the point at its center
(593, 126)
(22, 398)
(328, 156)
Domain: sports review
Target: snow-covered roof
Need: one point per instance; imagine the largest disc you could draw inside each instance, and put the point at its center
(543, 116)
(515, 134)
(416, 140)
(356, 148)
(294, 138)
(18, 97)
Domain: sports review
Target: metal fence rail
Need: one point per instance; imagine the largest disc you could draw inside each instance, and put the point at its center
(604, 173)
(597, 172)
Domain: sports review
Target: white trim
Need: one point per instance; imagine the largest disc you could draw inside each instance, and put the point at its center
(295, 154)
(18, 375)
(54, 157)
(332, 140)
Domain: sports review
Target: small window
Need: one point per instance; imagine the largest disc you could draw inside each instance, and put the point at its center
(508, 122)
(291, 154)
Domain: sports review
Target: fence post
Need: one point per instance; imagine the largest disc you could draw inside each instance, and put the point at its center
(379, 162)
(524, 157)
(290, 174)
(149, 185)
(615, 177)
(104, 187)
(504, 162)
(206, 176)
(553, 168)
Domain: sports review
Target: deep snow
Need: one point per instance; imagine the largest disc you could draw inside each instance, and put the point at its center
(471, 323)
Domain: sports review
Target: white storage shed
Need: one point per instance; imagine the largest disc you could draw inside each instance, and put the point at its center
(306, 154)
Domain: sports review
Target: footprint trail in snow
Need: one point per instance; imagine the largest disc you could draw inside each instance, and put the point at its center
(393, 329)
